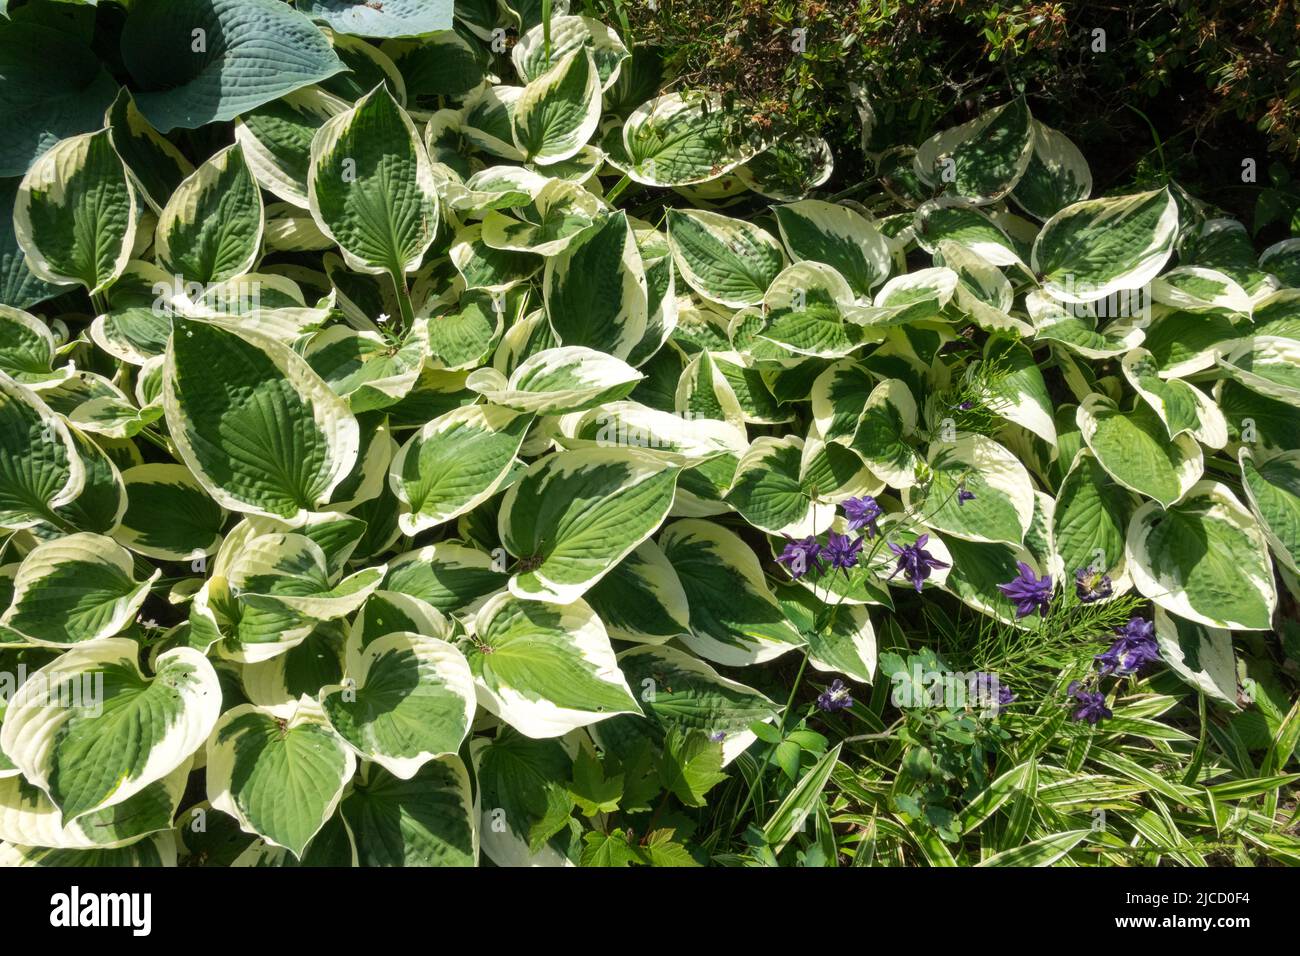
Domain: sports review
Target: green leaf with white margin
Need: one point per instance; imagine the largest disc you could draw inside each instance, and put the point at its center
(1272, 488)
(791, 167)
(280, 572)
(558, 111)
(840, 638)
(369, 369)
(676, 439)
(554, 381)
(728, 261)
(838, 395)
(492, 270)
(978, 567)
(775, 484)
(1057, 174)
(679, 139)
(40, 469)
(465, 337)
(595, 290)
(450, 577)
(279, 778)
(428, 820)
(124, 731)
(154, 164)
(949, 219)
(278, 684)
(981, 160)
(547, 224)
(75, 215)
(1183, 408)
(837, 236)
(408, 698)
(642, 600)
(736, 620)
(156, 850)
(910, 297)
(371, 186)
(258, 428)
(1093, 248)
(1017, 391)
(1267, 364)
(455, 463)
(1077, 328)
(1204, 559)
(77, 588)
(169, 515)
(575, 514)
(888, 416)
(276, 139)
(1136, 451)
(102, 502)
(1201, 656)
(801, 802)
(678, 691)
(211, 228)
(19, 286)
(1194, 289)
(26, 347)
(1003, 506)
(806, 308)
(545, 669)
(542, 47)
(521, 782)
(1090, 522)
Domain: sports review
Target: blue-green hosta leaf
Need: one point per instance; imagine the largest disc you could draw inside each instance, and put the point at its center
(392, 18)
(888, 416)
(1135, 449)
(540, 48)
(368, 369)
(642, 600)
(558, 380)
(371, 187)
(824, 232)
(680, 692)
(92, 731)
(153, 162)
(981, 160)
(276, 139)
(1183, 408)
(427, 820)
(211, 228)
(169, 515)
(202, 61)
(279, 778)
(455, 463)
(841, 640)
(1003, 506)
(735, 618)
(558, 111)
(679, 139)
(575, 514)
(74, 589)
(1057, 175)
(1267, 364)
(1201, 656)
(1090, 522)
(1272, 488)
(75, 215)
(1094, 248)
(547, 223)
(257, 427)
(545, 669)
(450, 577)
(1204, 559)
(408, 698)
(728, 261)
(522, 783)
(595, 290)
(40, 469)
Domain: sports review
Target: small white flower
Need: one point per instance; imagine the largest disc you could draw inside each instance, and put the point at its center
(383, 317)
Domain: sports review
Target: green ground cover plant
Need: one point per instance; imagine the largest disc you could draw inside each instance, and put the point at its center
(431, 446)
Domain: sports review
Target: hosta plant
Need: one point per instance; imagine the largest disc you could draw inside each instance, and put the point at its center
(428, 445)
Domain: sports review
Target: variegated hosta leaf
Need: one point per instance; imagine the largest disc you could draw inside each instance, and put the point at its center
(1077, 328)
(840, 639)
(211, 228)
(791, 167)
(641, 599)
(40, 469)
(559, 110)
(981, 160)
(368, 369)
(595, 289)
(955, 220)
(728, 261)
(1018, 392)
(837, 397)
(575, 514)
(676, 439)
(554, 381)
(542, 47)
(278, 573)
(1090, 522)
(154, 164)
(427, 820)
(371, 188)
(455, 463)
(1057, 175)
(169, 515)
(547, 223)
(1267, 364)
(450, 577)
(1183, 408)
(1003, 506)
(1094, 248)
(678, 139)
(516, 779)
(74, 589)
(1135, 449)
(276, 138)
(1200, 290)
(280, 778)
(92, 731)
(911, 297)
(258, 428)
(837, 236)
(408, 698)
(1201, 656)
(1204, 559)
(545, 669)
(787, 486)
(888, 416)
(735, 618)
(75, 215)
(1272, 486)
(807, 308)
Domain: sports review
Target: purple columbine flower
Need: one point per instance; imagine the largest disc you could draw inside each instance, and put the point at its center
(1029, 592)
(836, 697)
(718, 736)
(1091, 585)
(862, 513)
(841, 551)
(966, 406)
(964, 496)
(1092, 704)
(1134, 649)
(988, 686)
(915, 562)
(800, 557)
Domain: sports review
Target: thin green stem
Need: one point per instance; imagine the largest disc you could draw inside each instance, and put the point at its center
(403, 300)
(617, 189)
